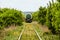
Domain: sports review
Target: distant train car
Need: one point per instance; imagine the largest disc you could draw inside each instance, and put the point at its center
(28, 18)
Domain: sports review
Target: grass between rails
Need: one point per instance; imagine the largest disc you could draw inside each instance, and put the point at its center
(11, 33)
(45, 35)
(29, 33)
(36, 26)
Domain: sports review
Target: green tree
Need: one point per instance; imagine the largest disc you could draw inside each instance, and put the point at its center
(41, 15)
(9, 17)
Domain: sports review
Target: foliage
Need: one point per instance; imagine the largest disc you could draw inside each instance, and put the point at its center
(41, 15)
(58, 0)
(9, 17)
(50, 16)
(34, 16)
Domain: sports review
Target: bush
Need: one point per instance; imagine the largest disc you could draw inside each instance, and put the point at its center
(35, 16)
(42, 15)
(50, 16)
(9, 17)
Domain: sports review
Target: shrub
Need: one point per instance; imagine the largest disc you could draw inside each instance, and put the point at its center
(10, 16)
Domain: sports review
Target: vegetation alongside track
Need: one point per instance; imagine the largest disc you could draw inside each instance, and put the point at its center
(49, 16)
(29, 33)
(45, 34)
(11, 33)
(9, 17)
(10, 23)
(46, 18)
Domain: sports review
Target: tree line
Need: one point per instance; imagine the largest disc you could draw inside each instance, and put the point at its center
(49, 16)
(9, 17)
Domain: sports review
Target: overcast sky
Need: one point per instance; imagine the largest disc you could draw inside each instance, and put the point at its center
(23, 5)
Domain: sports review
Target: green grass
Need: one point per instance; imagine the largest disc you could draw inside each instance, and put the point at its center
(29, 33)
(13, 34)
(37, 28)
(45, 36)
(51, 37)
(28, 37)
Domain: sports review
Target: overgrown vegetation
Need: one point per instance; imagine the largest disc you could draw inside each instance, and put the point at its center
(9, 17)
(34, 16)
(45, 35)
(11, 33)
(50, 16)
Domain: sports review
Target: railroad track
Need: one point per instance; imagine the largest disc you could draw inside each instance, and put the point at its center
(29, 33)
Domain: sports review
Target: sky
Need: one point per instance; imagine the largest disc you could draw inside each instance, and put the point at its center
(23, 5)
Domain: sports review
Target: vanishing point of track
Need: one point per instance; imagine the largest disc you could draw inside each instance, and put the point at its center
(29, 33)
